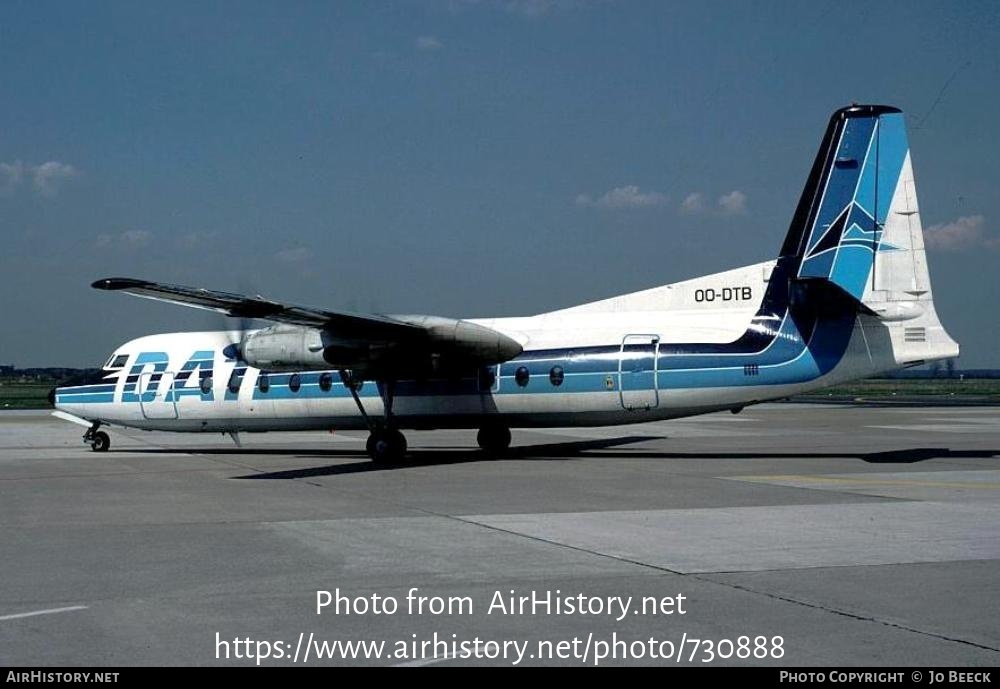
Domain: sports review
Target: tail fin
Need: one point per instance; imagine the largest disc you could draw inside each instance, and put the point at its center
(857, 228)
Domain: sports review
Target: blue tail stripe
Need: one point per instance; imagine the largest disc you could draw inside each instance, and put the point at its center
(865, 172)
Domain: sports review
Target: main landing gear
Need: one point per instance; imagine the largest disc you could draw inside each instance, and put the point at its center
(99, 440)
(386, 444)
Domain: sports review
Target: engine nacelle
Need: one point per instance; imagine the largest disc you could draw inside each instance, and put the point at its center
(284, 347)
(463, 341)
(439, 345)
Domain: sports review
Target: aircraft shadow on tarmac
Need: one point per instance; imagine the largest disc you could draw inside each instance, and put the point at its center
(904, 456)
(562, 451)
(565, 451)
(571, 450)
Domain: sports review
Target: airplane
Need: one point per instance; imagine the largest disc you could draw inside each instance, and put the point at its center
(847, 297)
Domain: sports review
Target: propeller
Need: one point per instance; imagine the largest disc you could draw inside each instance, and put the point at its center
(234, 350)
(244, 324)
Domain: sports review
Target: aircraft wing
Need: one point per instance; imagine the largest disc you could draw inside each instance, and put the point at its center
(241, 306)
(310, 338)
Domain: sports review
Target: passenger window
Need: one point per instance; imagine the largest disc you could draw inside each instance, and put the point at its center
(234, 382)
(325, 382)
(556, 376)
(294, 383)
(521, 376)
(263, 382)
(206, 385)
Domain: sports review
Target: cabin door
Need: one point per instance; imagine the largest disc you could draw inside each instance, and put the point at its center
(637, 372)
(156, 395)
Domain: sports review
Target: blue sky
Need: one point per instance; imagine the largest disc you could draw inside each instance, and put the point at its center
(459, 158)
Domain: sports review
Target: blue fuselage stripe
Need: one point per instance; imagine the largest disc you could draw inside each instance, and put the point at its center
(787, 359)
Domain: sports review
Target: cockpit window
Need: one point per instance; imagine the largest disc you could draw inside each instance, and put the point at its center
(117, 361)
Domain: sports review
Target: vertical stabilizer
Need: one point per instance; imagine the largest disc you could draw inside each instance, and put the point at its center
(857, 228)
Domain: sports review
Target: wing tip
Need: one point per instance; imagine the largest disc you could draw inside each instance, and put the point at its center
(119, 283)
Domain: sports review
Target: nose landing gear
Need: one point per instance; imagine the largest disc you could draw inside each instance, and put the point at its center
(99, 440)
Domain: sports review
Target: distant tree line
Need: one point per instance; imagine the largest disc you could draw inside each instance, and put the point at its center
(57, 375)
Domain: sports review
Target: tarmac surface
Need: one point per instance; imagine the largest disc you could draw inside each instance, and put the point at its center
(858, 535)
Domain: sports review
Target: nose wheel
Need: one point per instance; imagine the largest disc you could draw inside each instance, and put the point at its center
(98, 440)
(101, 442)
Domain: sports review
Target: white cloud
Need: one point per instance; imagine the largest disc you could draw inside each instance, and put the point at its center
(966, 232)
(693, 203)
(47, 177)
(525, 8)
(10, 176)
(624, 197)
(733, 203)
(727, 205)
(129, 239)
(296, 255)
(136, 238)
(194, 240)
(533, 8)
(429, 43)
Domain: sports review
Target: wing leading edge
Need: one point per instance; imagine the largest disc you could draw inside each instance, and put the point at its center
(241, 306)
(319, 338)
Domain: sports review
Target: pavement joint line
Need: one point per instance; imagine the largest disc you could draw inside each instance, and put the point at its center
(745, 589)
(618, 558)
(37, 613)
(865, 482)
(845, 613)
(152, 472)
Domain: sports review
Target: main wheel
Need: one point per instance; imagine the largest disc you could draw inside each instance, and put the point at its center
(386, 447)
(100, 442)
(494, 439)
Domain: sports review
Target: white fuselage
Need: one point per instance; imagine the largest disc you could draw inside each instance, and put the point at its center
(677, 350)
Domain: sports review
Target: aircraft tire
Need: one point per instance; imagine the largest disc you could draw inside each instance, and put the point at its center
(386, 447)
(100, 442)
(494, 439)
